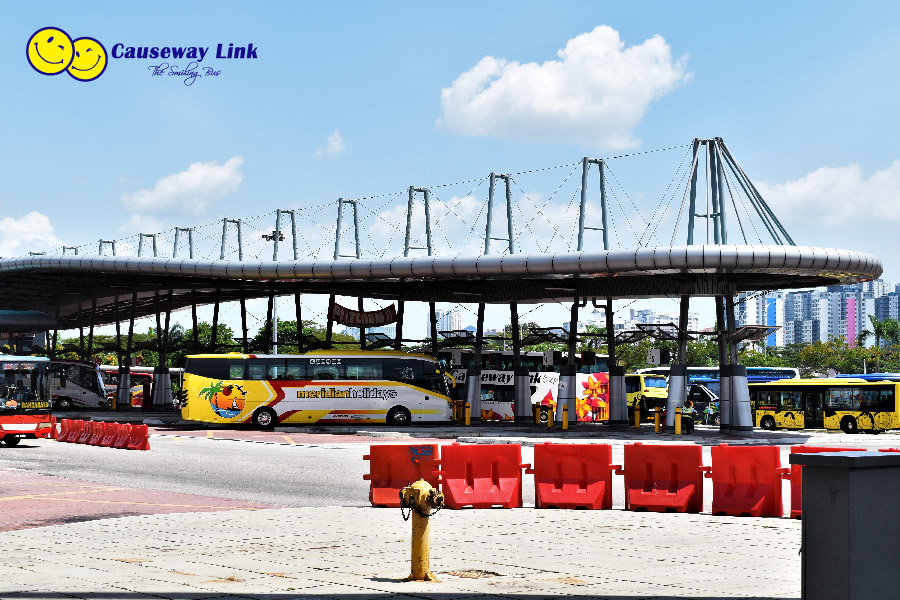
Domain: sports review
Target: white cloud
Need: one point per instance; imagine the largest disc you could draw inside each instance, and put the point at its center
(595, 94)
(334, 146)
(30, 233)
(193, 190)
(836, 195)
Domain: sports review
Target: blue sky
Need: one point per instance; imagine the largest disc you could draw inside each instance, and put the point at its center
(364, 99)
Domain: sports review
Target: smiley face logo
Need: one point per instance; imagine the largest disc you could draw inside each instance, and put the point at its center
(49, 51)
(90, 59)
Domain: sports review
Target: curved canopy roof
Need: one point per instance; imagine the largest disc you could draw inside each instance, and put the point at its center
(68, 286)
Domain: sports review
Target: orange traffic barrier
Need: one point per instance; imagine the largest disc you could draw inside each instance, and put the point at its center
(796, 475)
(109, 434)
(393, 467)
(140, 438)
(747, 481)
(65, 427)
(98, 431)
(664, 477)
(573, 475)
(482, 475)
(86, 432)
(76, 427)
(123, 433)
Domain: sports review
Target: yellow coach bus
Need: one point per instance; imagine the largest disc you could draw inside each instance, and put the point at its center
(317, 387)
(851, 405)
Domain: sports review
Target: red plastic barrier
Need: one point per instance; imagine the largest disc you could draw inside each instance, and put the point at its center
(573, 475)
(109, 434)
(664, 477)
(54, 432)
(98, 432)
(747, 480)
(123, 433)
(796, 476)
(76, 428)
(87, 432)
(140, 438)
(393, 467)
(64, 429)
(482, 475)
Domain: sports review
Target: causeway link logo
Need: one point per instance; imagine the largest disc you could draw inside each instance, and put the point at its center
(50, 51)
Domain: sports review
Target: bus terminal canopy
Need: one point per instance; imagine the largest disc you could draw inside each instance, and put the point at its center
(68, 287)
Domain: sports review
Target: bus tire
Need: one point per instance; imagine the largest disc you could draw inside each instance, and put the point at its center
(848, 425)
(767, 422)
(399, 416)
(64, 403)
(265, 418)
(11, 441)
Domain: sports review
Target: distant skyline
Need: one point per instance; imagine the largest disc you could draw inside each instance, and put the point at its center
(361, 100)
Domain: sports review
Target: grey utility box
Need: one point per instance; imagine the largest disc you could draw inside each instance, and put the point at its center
(851, 525)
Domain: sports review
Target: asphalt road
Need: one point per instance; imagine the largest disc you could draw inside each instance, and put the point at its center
(299, 470)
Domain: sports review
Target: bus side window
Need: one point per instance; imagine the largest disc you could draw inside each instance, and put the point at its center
(88, 380)
(236, 369)
(275, 369)
(327, 371)
(295, 370)
(363, 368)
(256, 369)
(402, 369)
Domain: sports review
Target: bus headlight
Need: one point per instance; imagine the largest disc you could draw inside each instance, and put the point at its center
(44, 425)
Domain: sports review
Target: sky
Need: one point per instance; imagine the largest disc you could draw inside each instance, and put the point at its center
(361, 100)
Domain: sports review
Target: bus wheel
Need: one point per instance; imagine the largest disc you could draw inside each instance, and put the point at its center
(767, 422)
(265, 418)
(717, 420)
(848, 425)
(63, 403)
(398, 416)
(11, 441)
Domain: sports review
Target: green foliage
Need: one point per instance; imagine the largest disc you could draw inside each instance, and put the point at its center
(287, 337)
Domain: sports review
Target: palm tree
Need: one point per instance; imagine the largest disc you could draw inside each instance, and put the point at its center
(882, 329)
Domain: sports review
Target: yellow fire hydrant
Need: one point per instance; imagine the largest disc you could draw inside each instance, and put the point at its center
(420, 498)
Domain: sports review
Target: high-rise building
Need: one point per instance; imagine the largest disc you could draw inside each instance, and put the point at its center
(448, 320)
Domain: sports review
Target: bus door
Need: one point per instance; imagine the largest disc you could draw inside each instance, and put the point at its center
(814, 402)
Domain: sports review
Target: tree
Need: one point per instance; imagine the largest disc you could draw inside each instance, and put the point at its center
(287, 337)
(882, 329)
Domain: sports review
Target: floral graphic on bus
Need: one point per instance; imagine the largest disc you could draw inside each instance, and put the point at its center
(227, 401)
(593, 404)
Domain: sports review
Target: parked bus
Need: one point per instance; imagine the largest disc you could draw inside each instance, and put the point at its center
(316, 387)
(647, 391)
(754, 374)
(140, 378)
(851, 405)
(77, 384)
(497, 381)
(24, 398)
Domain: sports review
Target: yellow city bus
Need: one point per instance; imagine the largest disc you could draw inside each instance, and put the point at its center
(851, 405)
(316, 387)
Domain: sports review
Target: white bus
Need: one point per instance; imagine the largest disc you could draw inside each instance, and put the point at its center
(76, 384)
(497, 381)
(316, 387)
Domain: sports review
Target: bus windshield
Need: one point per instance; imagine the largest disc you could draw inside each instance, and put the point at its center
(24, 386)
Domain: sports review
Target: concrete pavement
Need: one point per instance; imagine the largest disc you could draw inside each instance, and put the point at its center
(364, 553)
